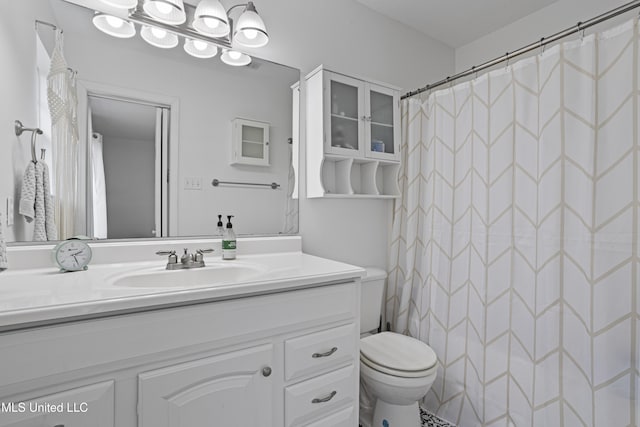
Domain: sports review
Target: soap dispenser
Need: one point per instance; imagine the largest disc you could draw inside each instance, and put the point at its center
(229, 241)
(220, 229)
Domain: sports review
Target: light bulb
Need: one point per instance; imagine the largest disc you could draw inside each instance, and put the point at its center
(251, 34)
(164, 7)
(114, 21)
(158, 32)
(234, 54)
(211, 23)
(200, 45)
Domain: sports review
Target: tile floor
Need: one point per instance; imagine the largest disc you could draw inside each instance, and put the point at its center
(431, 420)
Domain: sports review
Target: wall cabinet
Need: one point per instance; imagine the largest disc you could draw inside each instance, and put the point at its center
(250, 142)
(353, 136)
(286, 359)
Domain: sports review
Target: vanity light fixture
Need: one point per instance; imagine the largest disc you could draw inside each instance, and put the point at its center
(158, 37)
(210, 19)
(114, 26)
(164, 21)
(166, 11)
(200, 49)
(235, 58)
(121, 4)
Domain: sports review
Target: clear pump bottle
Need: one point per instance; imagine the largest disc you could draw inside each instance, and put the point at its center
(220, 229)
(229, 241)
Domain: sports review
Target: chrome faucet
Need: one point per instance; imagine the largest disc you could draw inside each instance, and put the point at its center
(195, 260)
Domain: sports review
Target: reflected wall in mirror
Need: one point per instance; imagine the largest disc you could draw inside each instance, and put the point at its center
(163, 120)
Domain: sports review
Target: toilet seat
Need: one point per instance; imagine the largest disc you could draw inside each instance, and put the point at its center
(398, 355)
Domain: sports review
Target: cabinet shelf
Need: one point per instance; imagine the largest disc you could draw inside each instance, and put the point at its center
(339, 116)
(386, 125)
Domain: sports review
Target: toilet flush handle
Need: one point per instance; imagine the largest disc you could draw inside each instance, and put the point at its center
(327, 354)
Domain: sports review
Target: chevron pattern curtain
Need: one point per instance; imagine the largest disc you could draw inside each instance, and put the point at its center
(515, 243)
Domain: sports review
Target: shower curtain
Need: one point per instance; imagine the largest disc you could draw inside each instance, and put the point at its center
(291, 203)
(514, 251)
(98, 192)
(63, 101)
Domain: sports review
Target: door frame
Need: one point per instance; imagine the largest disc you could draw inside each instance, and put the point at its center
(85, 89)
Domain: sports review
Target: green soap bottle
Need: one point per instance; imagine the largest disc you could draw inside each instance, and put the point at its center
(229, 241)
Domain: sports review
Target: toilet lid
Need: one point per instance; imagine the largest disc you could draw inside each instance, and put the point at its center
(398, 352)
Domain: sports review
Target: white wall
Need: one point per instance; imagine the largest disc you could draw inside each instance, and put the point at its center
(349, 38)
(545, 22)
(18, 82)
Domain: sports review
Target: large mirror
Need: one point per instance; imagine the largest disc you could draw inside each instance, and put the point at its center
(155, 128)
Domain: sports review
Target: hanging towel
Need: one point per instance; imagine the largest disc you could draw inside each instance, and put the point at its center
(35, 202)
(28, 193)
(4, 263)
(51, 230)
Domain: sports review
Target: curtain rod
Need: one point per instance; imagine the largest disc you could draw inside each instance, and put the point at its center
(580, 26)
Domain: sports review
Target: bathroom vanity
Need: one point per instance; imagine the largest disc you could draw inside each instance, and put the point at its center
(272, 346)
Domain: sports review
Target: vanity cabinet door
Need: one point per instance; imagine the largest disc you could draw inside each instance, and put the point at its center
(232, 389)
(90, 406)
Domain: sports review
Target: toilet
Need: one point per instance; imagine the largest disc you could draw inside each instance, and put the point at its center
(396, 371)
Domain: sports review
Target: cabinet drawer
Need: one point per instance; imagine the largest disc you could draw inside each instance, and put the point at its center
(325, 349)
(307, 401)
(347, 417)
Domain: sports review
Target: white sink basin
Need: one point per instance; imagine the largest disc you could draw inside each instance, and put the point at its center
(211, 275)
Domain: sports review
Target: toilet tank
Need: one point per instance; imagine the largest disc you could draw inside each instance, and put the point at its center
(371, 297)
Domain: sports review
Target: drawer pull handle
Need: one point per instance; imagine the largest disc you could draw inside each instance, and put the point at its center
(327, 354)
(325, 399)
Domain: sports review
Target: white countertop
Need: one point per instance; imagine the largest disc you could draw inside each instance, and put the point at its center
(40, 296)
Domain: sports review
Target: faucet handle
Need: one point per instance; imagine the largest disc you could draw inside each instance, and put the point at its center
(166, 253)
(200, 254)
(205, 251)
(173, 258)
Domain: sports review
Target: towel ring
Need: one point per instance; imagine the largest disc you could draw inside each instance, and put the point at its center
(19, 128)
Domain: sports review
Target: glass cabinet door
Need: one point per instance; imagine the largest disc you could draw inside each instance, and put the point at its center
(250, 142)
(382, 123)
(345, 125)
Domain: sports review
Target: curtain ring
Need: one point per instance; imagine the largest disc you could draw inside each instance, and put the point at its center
(581, 30)
(475, 72)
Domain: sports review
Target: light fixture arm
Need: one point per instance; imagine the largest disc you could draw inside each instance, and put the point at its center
(247, 6)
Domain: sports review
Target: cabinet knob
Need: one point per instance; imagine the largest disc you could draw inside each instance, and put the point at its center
(325, 399)
(59, 425)
(327, 354)
(266, 371)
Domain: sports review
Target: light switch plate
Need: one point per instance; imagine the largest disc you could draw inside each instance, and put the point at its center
(9, 211)
(193, 183)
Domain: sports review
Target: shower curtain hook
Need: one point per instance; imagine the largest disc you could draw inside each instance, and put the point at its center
(582, 31)
(542, 45)
(506, 57)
